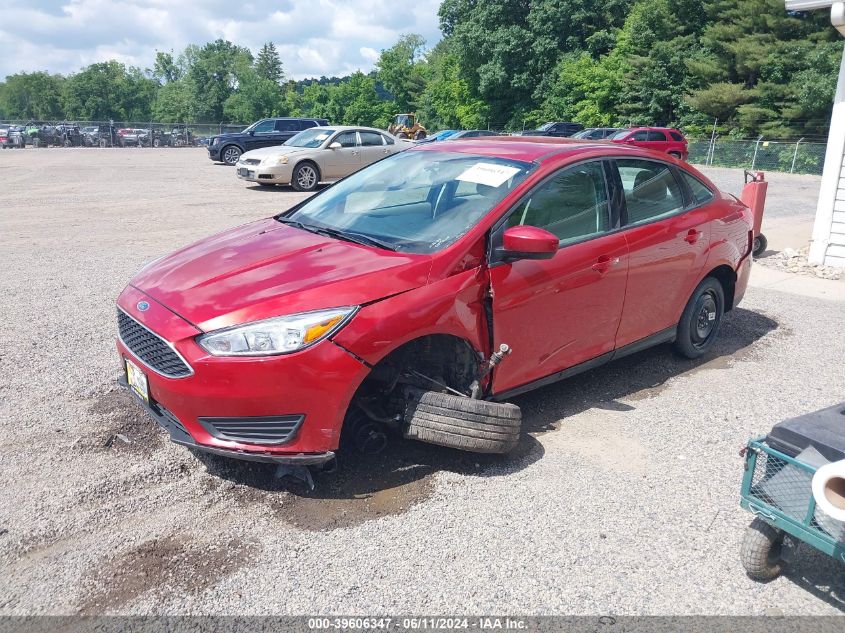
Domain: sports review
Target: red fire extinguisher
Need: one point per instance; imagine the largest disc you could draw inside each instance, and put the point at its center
(754, 197)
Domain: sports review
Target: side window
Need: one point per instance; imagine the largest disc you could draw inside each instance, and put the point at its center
(676, 136)
(642, 135)
(347, 139)
(369, 139)
(388, 140)
(265, 127)
(700, 193)
(305, 124)
(572, 205)
(283, 125)
(656, 135)
(651, 190)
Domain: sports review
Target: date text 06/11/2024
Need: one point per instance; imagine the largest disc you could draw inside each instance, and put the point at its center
(419, 623)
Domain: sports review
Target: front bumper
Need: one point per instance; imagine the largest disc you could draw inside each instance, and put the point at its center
(179, 435)
(214, 152)
(317, 383)
(278, 174)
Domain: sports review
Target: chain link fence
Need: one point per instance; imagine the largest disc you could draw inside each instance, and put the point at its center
(799, 157)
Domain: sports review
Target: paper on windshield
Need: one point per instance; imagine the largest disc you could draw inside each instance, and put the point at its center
(489, 174)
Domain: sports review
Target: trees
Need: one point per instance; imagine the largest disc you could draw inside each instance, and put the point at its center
(503, 64)
(32, 96)
(401, 70)
(213, 76)
(109, 90)
(268, 64)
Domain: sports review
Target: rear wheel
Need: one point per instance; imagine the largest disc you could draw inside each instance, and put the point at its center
(675, 155)
(760, 245)
(464, 423)
(306, 177)
(230, 154)
(761, 552)
(700, 321)
(420, 135)
(401, 135)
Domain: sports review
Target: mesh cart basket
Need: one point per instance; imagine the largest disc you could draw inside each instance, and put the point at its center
(777, 489)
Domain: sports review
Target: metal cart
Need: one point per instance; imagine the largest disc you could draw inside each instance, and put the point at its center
(777, 489)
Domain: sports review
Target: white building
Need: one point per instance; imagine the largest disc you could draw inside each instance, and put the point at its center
(828, 242)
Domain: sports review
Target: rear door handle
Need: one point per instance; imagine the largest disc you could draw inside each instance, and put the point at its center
(692, 236)
(604, 262)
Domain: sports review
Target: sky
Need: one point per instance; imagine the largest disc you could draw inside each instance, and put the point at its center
(314, 37)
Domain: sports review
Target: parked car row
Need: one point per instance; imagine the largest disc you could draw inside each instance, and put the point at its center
(39, 134)
(660, 139)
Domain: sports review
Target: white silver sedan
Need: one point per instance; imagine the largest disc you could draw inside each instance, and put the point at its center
(318, 155)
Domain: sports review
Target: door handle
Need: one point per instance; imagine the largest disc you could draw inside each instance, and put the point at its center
(604, 262)
(692, 236)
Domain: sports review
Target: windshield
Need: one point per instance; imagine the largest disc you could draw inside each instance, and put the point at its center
(414, 202)
(619, 134)
(546, 126)
(313, 137)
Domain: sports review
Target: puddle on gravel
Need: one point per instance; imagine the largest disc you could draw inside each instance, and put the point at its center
(127, 427)
(363, 488)
(174, 563)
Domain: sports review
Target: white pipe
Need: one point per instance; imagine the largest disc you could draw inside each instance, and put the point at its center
(829, 489)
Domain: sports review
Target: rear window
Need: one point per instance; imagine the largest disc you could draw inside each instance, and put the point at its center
(700, 192)
(676, 136)
(370, 138)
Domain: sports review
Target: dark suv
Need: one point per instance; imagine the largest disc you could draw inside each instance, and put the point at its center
(227, 148)
(553, 128)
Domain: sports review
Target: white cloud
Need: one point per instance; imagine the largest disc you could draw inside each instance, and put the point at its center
(314, 37)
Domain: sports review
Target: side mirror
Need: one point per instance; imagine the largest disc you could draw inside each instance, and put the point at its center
(335, 145)
(251, 132)
(528, 242)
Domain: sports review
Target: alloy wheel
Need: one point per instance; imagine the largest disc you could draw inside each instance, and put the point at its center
(231, 155)
(306, 177)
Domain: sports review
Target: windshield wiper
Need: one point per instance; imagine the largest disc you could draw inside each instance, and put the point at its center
(357, 238)
(349, 236)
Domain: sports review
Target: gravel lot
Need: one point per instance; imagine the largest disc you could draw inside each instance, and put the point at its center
(623, 496)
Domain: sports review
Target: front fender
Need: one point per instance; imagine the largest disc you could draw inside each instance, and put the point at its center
(453, 306)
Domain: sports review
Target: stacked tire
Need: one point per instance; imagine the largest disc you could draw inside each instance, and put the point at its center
(464, 423)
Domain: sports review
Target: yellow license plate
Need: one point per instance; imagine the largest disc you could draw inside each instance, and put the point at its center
(137, 381)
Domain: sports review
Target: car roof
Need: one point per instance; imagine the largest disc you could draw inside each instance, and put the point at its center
(345, 128)
(654, 127)
(530, 148)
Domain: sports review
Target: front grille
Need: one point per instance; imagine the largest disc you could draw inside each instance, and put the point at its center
(152, 350)
(256, 430)
(250, 161)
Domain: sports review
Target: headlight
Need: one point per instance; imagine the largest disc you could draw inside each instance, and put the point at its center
(279, 335)
(272, 161)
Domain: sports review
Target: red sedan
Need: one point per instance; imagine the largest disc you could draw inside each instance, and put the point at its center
(419, 294)
(659, 139)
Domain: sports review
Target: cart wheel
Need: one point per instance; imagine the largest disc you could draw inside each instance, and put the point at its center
(760, 245)
(761, 551)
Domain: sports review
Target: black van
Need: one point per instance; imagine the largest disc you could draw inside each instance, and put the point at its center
(227, 148)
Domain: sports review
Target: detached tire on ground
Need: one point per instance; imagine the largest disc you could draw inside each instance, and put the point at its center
(761, 551)
(463, 423)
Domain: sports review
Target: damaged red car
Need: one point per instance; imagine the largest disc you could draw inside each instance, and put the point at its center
(421, 293)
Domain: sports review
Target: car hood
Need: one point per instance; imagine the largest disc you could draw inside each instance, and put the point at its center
(265, 269)
(275, 150)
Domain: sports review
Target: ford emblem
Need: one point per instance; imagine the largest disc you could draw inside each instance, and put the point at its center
(143, 306)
